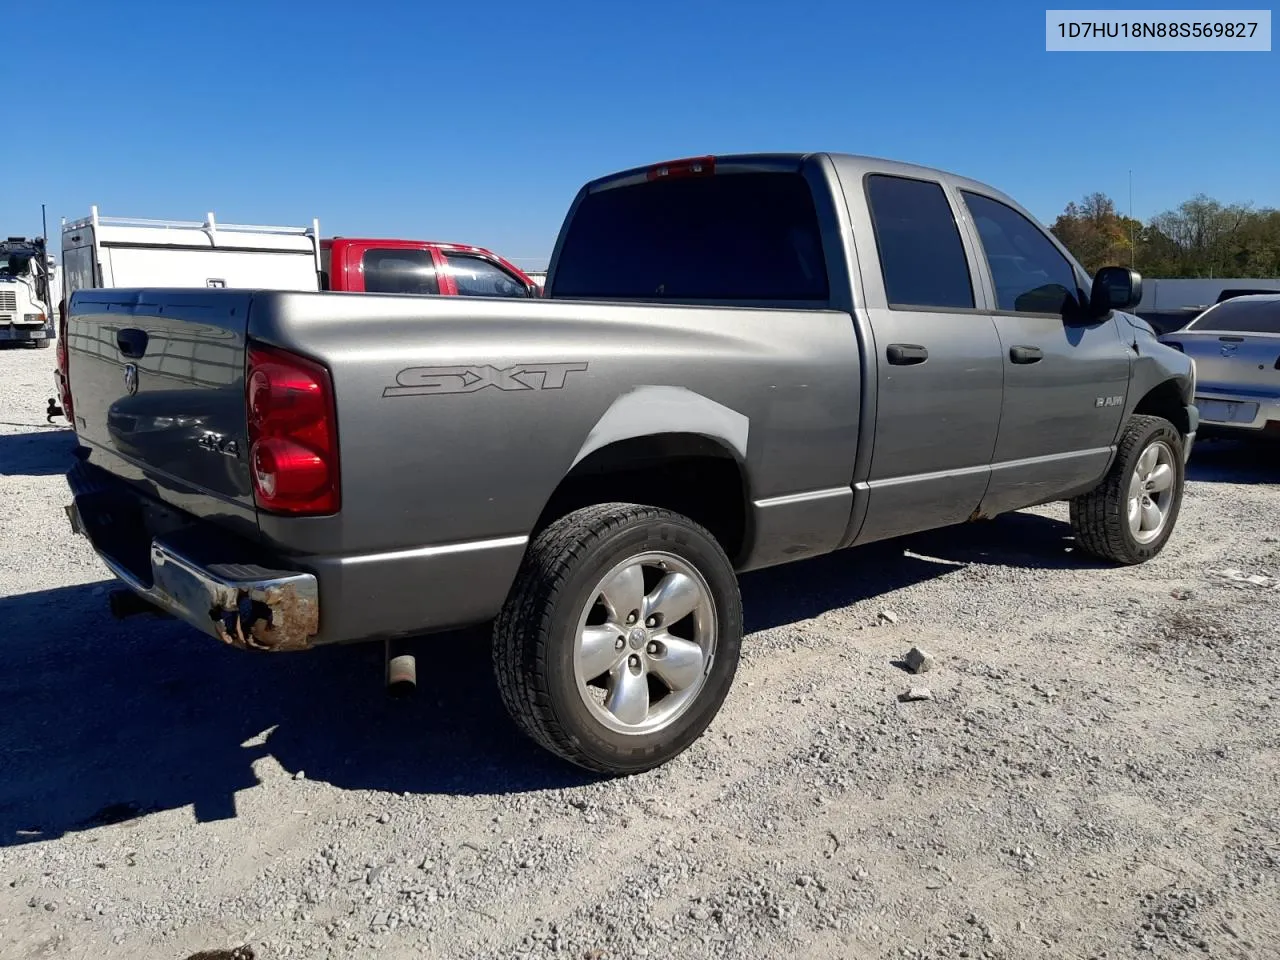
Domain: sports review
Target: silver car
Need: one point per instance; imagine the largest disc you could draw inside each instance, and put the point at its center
(1236, 348)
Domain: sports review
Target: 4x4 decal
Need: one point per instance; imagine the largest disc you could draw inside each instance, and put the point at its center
(425, 381)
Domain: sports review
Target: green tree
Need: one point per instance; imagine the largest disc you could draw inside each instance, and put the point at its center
(1202, 237)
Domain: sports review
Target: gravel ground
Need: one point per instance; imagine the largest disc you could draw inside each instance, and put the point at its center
(1094, 776)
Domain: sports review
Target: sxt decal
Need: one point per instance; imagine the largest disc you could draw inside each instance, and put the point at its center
(425, 381)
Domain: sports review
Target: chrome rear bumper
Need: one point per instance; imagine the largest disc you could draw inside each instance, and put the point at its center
(240, 604)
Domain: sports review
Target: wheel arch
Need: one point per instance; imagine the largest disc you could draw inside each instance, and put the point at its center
(699, 476)
(1165, 400)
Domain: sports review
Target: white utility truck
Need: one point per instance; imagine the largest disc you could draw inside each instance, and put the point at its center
(103, 252)
(100, 251)
(27, 275)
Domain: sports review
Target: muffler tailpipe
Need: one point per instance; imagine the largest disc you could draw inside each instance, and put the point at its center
(402, 669)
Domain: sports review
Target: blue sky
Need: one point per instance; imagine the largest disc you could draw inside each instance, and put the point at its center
(477, 123)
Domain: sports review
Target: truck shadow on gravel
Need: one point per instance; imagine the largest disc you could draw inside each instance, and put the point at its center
(1230, 461)
(799, 591)
(42, 451)
(102, 721)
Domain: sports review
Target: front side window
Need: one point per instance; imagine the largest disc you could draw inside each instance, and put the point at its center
(399, 271)
(478, 277)
(1030, 274)
(922, 256)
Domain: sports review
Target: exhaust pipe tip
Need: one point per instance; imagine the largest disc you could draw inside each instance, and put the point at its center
(402, 669)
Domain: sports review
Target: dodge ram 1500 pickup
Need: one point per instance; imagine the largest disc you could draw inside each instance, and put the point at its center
(740, 361)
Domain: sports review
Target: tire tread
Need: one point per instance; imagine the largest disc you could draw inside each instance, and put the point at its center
(1098, 517)
(520, 646)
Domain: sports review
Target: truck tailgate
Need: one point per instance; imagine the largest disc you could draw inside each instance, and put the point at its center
(157, 384)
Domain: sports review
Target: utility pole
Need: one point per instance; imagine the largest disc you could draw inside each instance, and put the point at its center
(1133, 248)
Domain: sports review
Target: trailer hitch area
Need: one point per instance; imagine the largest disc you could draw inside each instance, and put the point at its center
(275, 619)
(53, 411)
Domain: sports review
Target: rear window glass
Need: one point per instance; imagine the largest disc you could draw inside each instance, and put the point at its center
(1241, 316)
(736, 236)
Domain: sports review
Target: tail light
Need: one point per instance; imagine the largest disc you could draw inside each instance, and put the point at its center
(293, 433)
(692, 167)
(64, 364)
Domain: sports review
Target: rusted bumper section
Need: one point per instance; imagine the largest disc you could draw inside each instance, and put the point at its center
(244, 605)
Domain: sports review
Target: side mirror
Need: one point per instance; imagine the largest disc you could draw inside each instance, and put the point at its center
(1115, 288)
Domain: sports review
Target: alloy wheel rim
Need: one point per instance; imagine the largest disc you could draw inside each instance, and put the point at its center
(645, 643)
(1151, 488)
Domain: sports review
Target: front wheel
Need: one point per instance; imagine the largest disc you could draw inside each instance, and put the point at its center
(1129, 517)
(620, 638)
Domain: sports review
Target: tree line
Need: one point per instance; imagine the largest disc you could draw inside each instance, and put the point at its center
(1201, 238)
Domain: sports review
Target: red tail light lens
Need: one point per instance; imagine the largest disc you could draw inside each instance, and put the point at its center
(692, 167)
(64, 364)
(293, 433)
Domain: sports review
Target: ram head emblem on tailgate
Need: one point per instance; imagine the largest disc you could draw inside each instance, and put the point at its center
(131, 378)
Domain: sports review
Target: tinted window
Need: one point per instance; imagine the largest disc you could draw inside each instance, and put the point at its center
(1029, 273)
(399, 271)
(735, 236)
(1228, 294)
(921, 255)
(477, 277)
(1241, 316)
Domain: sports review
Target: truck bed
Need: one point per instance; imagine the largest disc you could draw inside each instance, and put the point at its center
(457, 419)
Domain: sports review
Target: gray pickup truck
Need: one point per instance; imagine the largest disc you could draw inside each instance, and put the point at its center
(741, 361)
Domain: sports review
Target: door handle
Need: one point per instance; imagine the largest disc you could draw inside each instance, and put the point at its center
(1026, 354)
(906, 354)
(131, 342)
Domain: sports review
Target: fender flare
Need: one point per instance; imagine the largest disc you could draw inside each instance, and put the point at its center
(652, 410)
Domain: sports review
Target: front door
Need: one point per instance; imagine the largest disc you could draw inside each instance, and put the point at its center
(1065, 377)
(938, 369)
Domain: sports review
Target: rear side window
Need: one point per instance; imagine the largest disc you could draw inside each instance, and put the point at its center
(729, 236)
(1029, 273)
(1241, 316)
(477, 277)
(399, 271)
(921, 255)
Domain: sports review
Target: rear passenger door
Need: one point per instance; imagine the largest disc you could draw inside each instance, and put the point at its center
(938, 368)
(1065, 377)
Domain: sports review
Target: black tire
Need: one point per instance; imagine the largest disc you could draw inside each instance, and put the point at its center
(535, 633)
(43, 344)
(1099, 517)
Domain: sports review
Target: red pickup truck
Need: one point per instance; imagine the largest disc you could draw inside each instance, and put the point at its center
(412, 266)
(105, 252)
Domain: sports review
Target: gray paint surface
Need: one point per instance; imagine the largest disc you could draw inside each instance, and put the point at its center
(459, 417)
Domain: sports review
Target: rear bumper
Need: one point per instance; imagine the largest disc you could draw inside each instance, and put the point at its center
(1223, 411)
(246, 595)
(244, 605)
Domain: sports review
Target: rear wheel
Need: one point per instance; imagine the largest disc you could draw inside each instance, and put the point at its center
(1129, 517)
(43, 344)
(620, 638)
